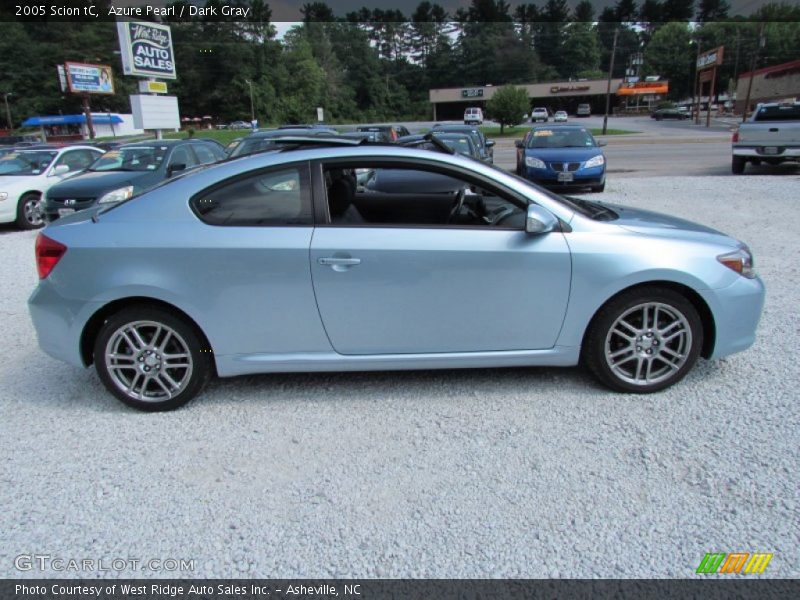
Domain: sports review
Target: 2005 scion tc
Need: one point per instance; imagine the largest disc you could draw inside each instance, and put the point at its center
(288, 261)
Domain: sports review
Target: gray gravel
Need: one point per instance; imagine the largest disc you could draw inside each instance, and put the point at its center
(477, 473)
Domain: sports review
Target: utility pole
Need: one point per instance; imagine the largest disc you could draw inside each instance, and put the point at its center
(8, 110)
(252, 106)
(608, 86)
(760, 44)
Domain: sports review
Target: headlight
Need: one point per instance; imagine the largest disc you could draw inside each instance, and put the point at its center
(3, 195)
(740, 261)
(595, 161)
(117, 195)
(534, 162)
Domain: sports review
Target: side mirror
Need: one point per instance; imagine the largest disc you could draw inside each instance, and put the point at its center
(518, 143)
(175, 167)
(489, 143)
(538, 220)
(59, 170)
(602, 143)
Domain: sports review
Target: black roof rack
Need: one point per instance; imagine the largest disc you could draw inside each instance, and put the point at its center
(431, 138)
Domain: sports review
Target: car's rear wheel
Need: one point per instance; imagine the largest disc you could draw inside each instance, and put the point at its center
(644, 340)
(29, 212)
(151, 359)
(737, 165)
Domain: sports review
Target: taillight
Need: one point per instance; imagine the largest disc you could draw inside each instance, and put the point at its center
(48, 253)
(735, 137)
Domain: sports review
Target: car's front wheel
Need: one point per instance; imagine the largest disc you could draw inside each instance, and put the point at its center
(644, 340)
(151, 359)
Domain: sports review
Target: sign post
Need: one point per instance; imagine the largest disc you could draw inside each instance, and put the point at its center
(706, 70)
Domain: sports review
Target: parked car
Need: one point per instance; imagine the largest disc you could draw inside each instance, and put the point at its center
(485, 147)
(560, 116)
(584, 110)
(770, 135)
(392, 131)
(26, 174)
(370, 136)
(473, 116)
(275, 263)
(539, 114)
(240, 125)
(259, 141)
(565, 156)
(130, 169)
(670, 113)
(458, 142)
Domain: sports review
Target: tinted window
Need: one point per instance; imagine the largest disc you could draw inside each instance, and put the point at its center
(77, 160)
(204, 154)
(264, 199)
(182, 156)
(778, 113)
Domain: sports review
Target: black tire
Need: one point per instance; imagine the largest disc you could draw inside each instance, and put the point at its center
(599, 188)
(185, 335)
(671, 303)
(25, 217)
(737, 165)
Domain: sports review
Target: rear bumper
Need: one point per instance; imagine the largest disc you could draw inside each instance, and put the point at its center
(59, 322)
(785, 152)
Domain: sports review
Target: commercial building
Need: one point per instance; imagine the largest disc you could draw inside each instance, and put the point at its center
(449, 103)
(779, 83)
(65, 128)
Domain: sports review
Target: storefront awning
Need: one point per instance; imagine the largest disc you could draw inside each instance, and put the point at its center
(101, 119)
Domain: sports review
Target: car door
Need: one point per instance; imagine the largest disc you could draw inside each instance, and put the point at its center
(406, 288)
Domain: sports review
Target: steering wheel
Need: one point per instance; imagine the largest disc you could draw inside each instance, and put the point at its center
(459, 203)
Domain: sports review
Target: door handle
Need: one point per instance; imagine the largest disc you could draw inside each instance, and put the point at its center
(332, 261)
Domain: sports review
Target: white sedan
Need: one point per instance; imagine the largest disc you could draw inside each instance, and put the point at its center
(26, 174)
(560, 117)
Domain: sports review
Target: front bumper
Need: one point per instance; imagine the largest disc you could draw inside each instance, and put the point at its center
(737, 310)
(52, 206)
(581, 177)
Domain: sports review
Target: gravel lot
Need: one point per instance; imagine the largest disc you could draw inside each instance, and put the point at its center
(477, 473)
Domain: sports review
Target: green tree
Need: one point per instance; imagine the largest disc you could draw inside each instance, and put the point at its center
(669, 54)
(507, 106)
(581, 50)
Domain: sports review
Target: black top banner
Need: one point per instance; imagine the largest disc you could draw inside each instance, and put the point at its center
(382, 589)
(284, 10)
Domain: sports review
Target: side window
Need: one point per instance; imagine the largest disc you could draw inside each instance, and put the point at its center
(205, 154)
(182, 156)
(374, 196)
(271, 198)
(76, 160)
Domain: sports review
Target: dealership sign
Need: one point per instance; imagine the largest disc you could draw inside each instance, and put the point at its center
(146, 49)
(83, 78)
(712, 58)
(643, 88)
(472, 93)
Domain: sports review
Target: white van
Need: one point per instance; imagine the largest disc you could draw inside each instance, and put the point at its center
(473, 115)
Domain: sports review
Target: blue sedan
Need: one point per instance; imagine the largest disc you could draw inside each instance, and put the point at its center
(280, 262)
(563, 156)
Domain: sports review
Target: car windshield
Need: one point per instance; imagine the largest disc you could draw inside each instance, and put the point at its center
(27, 162)
(131, 158)
(560, 138)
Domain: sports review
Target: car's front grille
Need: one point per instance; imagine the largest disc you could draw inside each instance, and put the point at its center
(76, 203)
(565, 166)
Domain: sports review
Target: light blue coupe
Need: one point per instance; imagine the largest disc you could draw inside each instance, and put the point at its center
(292, 261)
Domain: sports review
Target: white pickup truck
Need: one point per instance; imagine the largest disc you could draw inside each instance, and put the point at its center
(771, 135)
